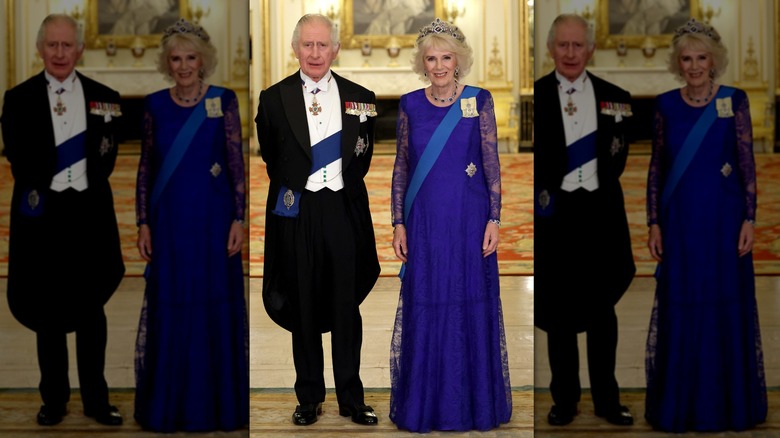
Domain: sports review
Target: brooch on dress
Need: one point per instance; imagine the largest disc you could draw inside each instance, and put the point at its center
(469, 107)
(214, 107)
(726, 170)
(724, 107)
(471, 169)
(215, 170)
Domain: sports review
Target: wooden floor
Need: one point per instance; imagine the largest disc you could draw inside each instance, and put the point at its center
(272, 399)
(633, 319)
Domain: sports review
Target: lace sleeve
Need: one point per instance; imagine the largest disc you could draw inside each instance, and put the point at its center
(235, 155)
(145, 179)
(401, 167)
(490, 163)
(654, 173)
(747, 164)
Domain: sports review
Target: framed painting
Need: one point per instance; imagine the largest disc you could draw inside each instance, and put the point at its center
(377, 21)
(124, 20)
(633, 21)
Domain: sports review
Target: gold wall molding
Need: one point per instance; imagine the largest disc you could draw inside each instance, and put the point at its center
(11, 44)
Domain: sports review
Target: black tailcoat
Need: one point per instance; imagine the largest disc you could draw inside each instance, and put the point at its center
(63, 258)
(285, 146)
(582, 256)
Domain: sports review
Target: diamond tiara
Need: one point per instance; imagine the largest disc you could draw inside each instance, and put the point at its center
(439, 26)
(184, 26)
(693, 26)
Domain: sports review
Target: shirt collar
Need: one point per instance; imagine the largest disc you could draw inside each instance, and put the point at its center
(323, 84)
(578, 84)
(67, 84)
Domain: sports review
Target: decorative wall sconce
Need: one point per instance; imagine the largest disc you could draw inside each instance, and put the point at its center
(198, 13)
(708, 13)
(365, 50)
(452, 12)
(393, 50)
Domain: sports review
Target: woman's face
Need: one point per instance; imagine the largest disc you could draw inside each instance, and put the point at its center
(440, 66)
(695, 65)
(184, 65)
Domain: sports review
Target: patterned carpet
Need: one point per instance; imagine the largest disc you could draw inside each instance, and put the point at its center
(516, 244)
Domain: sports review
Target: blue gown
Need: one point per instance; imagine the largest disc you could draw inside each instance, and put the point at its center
(448, 361)
(704, 361)
(192, 346)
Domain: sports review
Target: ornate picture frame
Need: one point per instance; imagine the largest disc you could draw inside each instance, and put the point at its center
(634, 27)
(104, 21)
(359, 23)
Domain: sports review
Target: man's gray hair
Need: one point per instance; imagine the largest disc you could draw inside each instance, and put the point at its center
(64, 18)
(567, 18)
(311, 18)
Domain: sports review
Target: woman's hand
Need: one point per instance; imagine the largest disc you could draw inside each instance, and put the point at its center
(235, 238)
(490, 241)
(654, 242)
(145, 242)
(399, 242)
(746, 238)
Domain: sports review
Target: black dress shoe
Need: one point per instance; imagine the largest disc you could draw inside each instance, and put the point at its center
(50, 415)
(361, 414)
(618, 416)
(560, 416)
(306, 414)
(108, 416)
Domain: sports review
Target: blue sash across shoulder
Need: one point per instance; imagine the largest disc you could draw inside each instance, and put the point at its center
(181, 143)
(691, 145)
(431, 154)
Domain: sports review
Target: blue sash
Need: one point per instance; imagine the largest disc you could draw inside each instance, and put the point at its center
(71, 152)
(322, 153)
(691, 146)
(181, 144)
(431, 153)
(581, 151)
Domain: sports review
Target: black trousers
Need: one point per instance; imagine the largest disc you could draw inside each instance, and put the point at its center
(602, 338)
(91, 356)
(326, 263)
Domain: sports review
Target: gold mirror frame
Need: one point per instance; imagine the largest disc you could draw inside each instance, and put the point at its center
(350, 40)
(605, 40)
(94, 40)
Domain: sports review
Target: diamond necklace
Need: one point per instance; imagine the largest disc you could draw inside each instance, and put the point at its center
(185, 100)
(449, 99)
(709, 94)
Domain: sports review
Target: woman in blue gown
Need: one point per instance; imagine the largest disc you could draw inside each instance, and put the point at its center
(191, 351)
(704, 361)
(448, 361)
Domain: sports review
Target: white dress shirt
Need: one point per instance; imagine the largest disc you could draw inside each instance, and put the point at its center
(326, 123)
(68, 124)
(577, 124)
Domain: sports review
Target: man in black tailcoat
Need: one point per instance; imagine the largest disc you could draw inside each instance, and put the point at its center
(582, 249)
(65, 260)
(316, 135)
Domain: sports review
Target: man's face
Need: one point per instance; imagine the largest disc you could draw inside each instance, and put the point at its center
(315, 50)
(570, 49)
(59, 50)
